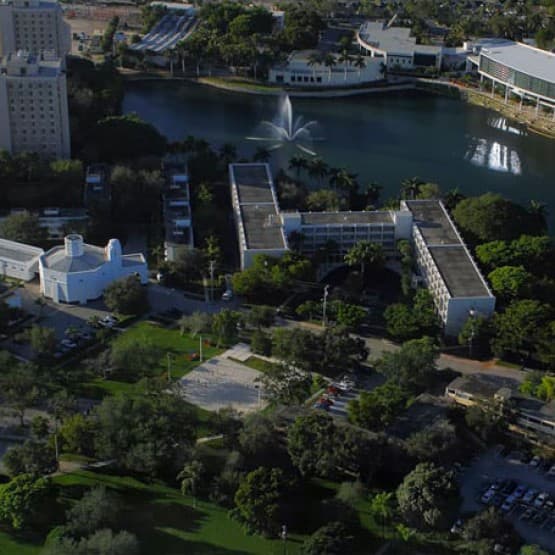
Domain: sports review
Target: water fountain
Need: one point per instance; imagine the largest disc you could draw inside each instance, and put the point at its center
(284, 129)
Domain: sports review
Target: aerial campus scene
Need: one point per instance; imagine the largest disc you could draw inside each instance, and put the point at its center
(277, 277)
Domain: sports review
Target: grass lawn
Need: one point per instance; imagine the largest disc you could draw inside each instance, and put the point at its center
(167, 522)
(257, 363)
(14, 546)
(183, 351)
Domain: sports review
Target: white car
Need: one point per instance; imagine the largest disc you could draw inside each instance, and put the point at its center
(551, 472)
(540, 500)
(68, 343)
(535, 462)
(227, 295)
(487, 497)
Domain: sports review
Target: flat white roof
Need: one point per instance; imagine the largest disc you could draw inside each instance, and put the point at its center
(18, 252)
(521, 57)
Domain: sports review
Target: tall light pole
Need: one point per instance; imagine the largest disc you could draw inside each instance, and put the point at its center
(284, 538)
(325, 306)
(472, 314)
(200, 347)
(212, 263)
(169, 367)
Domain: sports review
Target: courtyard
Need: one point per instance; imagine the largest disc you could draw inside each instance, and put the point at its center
(221, 382)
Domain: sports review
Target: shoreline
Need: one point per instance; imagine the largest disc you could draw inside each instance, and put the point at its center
(534, 124)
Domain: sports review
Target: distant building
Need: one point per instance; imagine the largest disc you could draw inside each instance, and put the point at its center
(19, 261)
(525, 415)
(300, 71)
(525, 72)
(33, 106)
(77, 273)
(446, 266)
(176, 198)
(400, 51)
(35, 26)
(256, 212)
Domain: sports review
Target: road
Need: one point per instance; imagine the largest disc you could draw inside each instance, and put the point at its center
(378, 346)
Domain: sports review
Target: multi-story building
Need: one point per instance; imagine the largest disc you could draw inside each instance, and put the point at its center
(256, 212)
(34, 26)
(33, 106)
(19, 261)
(339, 231)
(176, 200)
(57, 222)
(446, 266)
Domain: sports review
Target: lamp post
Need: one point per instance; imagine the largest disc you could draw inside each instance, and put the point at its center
(472, 315)
(284, 538)
(168, 355)
(200, 347)
(325, 306)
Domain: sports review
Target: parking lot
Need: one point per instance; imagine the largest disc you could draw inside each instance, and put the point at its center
(523, 492)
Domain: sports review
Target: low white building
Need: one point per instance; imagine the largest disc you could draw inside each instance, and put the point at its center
(77, 272)
(18, 261)
(309, 68)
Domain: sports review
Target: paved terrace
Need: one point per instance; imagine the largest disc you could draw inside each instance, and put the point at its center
(346, 218)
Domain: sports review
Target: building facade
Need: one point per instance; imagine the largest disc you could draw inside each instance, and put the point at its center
(303, 70)
(33, 106)
(34, 26)
(446, 266)
(399, 50)
(176, 199)
(524, 71)
(78, 273)
(19, 261)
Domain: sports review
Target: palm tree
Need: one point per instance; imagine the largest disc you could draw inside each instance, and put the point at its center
(381, 506)
(228, 153)
(411, 187)
(318, 168)
(158, 252)
(363, 253)
(452, 198)
(344, 181)
(314, 59)
(360, 63)
(538, 209)
(373, 191)
(345, 58)
(261, 154)
(298, 163)
(330, 62)
(190, 478)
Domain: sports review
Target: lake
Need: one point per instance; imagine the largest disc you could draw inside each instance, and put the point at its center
(382, 138)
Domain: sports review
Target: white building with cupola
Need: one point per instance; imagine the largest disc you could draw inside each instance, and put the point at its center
(77, 272)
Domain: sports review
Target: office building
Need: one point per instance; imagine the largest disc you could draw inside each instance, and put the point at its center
(446, 266)
(34, 26)
(77, 273)
(33, 106)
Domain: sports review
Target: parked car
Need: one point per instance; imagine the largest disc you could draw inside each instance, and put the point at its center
(497, 500)
(535, 462)
(68, 343)
(227, 295)
(549, 505)
(551, 472)
(508, 487)
(488, 496)
(527, 514)
(541, 499)
(530, 495)
(508, 505)
(519, 491)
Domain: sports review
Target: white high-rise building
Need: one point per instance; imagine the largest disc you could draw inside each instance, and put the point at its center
(33, 106)
(34, 26)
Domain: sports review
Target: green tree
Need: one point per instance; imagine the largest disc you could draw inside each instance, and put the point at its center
(349, 315)
(224, 326)
(261, 343)
(260, 316)
(258, 499)
(285, 384)
(97, 509)
(126, 296)
(77, 434)
(23, 228)
(427, 496)
(532, 550)
(190, 479)
(102, 542)
(476, 332)
(325, 200)
(510, 282)
(21, 500)
(20, 390)
(43, 340)
(437, 443)
(136, 357)
(382, 507)
(331, 539)
(490, 525)
(33, 457)
(412, 365)
(490, 217)
(146, 434)
(365, 253)
(518, 329)
(401, 322)
(195, 323)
